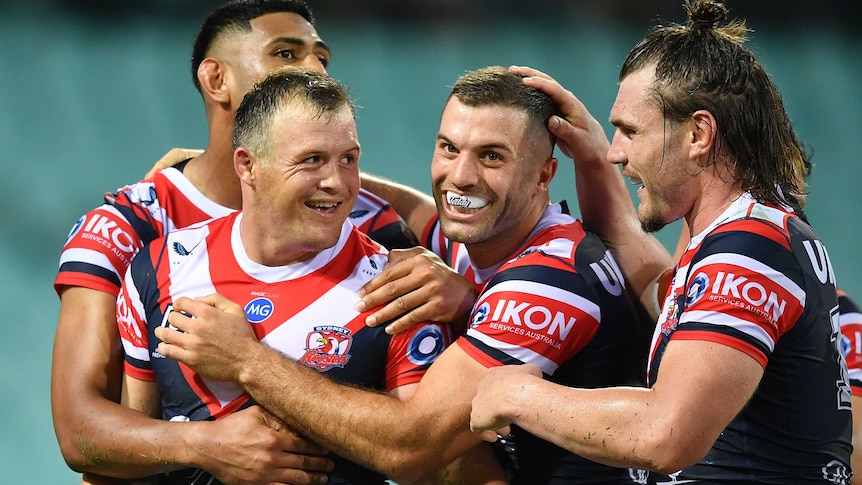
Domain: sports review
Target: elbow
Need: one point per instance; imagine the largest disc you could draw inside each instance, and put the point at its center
(408, 465)
(72, 452)
(669, 455)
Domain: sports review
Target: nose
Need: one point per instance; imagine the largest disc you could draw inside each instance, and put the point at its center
(335, 177)
(463, 171)
(616, 154)
(311, 61)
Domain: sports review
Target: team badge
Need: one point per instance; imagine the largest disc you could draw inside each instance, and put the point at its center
(674, 310)
(326, 347)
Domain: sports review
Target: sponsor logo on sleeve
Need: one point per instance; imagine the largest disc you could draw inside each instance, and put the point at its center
(426, 345)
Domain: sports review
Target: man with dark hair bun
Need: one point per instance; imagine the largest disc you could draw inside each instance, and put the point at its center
(747, 380)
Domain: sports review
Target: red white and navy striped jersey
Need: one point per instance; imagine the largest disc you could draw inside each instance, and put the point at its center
(103, 241)
(758, 279)
(850, 318)
(559, 302)
(305, 310)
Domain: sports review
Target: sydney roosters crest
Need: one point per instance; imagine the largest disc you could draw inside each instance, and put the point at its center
(327, 347)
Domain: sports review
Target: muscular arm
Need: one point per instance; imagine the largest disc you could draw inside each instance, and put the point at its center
(665, 428)
(404, 440)
(413, 206)
(98, 435)
(603, 198)
(95, 432)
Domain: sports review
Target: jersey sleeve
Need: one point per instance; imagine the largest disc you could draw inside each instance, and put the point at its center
(376, 218)
(434, 240)
(413, 351)
(132, 324)
(536, 312)
(98, 251)
(850, 321)
(744, 289)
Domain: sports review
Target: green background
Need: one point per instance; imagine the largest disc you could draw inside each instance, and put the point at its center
(87, 103)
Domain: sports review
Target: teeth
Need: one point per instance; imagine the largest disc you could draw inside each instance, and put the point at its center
(321, 205)
(465, 201)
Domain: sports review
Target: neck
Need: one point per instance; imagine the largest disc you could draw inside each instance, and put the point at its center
(267, 245)
(213, 172)
(710, 205)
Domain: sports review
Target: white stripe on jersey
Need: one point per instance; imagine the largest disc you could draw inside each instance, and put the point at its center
(850, 317)
(191, 270)
(559, 247)
(723, 319)
(563, 296)
(337, 303)
(771, 214)
(197, 198)
(96, 258)
(758, 267)
(523, 354)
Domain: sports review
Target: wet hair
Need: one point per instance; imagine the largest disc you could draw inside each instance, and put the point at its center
(703, 65)
(317, 93)
(496, 85)
(237, 15)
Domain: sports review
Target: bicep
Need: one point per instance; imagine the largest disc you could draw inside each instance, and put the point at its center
(87, 352)
(702, 386)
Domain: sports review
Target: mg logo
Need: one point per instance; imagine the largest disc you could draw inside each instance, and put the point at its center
(258, 310)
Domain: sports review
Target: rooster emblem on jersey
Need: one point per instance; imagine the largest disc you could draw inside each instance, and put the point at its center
(327, 347)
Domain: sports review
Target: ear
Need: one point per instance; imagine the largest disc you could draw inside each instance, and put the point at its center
(704, 131)
(245, 165)
(547, 172)
(212, 76)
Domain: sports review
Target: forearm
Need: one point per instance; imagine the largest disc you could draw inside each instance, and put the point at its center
(376, 430)
(607, 210)
(414, 206)
(109, 439)
(615, 426)
(96, 434)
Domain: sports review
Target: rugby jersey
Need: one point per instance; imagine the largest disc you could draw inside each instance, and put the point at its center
(759, 279)
(559, 302)
(305, 310)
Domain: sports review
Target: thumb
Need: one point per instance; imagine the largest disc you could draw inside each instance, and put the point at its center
(270, 421)
(560, 127)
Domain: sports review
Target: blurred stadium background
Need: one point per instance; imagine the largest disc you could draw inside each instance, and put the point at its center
(93, 91)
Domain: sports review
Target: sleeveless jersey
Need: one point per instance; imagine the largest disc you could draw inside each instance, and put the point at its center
(305, 310)
(560, 302)
(103, 241)
(759, 280)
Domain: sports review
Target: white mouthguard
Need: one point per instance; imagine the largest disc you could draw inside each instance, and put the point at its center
(465, 201)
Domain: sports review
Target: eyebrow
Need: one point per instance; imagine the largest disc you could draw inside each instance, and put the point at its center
(487, 146)
(298, 41)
